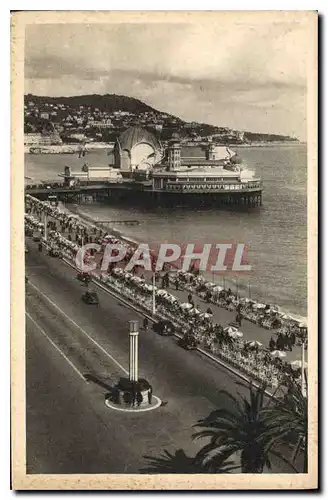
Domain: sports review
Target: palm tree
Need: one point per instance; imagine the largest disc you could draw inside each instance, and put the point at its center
(242, 430)
(288, 419)
(180, 463)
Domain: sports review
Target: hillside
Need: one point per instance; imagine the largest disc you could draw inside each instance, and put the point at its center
(106, 102)
(103, 117)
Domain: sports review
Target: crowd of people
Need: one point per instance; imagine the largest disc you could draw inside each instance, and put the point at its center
(197, 327)
(266, 315)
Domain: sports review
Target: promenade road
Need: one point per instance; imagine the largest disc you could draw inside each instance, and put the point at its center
(74, 354)
(222, 316)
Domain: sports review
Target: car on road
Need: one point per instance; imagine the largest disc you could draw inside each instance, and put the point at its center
(84, 277)
(90, 298)
(164, 327)
(187, 342)
(37, 236)
(53, 252)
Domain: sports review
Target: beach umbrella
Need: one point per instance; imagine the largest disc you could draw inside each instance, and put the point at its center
(236, 335)
(170, 297)
(186, 305)
(259, 306)
(230, 329)
(278, 354)
(118, 271)
(209, 285)
(205, 315)
(254, 343)
(195, 311)
(297, 364)
(137, 279)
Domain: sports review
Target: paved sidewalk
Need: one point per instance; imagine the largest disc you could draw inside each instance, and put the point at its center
(224, 317)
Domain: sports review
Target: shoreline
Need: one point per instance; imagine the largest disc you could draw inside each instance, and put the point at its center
(85, 218)
(93, 147)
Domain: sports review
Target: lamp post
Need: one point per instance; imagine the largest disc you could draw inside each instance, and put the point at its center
(133, 355)
(45, 221)
(153, 295)
(303, 332)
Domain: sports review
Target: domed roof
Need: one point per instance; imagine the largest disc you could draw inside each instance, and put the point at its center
(135, 135)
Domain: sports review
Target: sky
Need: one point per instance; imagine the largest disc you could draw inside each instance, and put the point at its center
(247, 76)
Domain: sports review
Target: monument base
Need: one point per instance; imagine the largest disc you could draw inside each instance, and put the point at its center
(132, 394)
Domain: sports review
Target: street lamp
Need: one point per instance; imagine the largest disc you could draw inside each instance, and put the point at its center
(45, 222)
(133, 364)
(303, 335)
(153, 295)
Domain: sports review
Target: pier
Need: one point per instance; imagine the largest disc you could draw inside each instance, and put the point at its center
(143, 193)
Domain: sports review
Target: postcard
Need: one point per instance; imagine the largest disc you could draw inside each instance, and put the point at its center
(164, 242)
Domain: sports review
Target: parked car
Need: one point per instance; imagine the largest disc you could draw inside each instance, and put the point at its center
(53, 252)
(164, 327)
(84, 277)
(37, 236)
(188, 342)
(90, 298)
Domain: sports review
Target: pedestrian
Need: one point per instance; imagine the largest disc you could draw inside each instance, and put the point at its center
(190, 298)
(272, 344)
(150, 395)
(139, 398)
(289, 343)
(280, 343)
(293, 338)
(145, 323)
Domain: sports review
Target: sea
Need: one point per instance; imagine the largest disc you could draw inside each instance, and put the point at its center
(276, 233)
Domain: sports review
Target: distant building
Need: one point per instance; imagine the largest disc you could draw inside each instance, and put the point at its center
(136, 149)
(30, 139)
(102, 124)
(91, 174)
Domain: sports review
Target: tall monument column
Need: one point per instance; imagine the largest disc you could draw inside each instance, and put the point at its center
(133, 394)
(133, 364)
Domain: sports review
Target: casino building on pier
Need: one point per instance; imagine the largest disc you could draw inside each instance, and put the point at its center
(141, 167)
